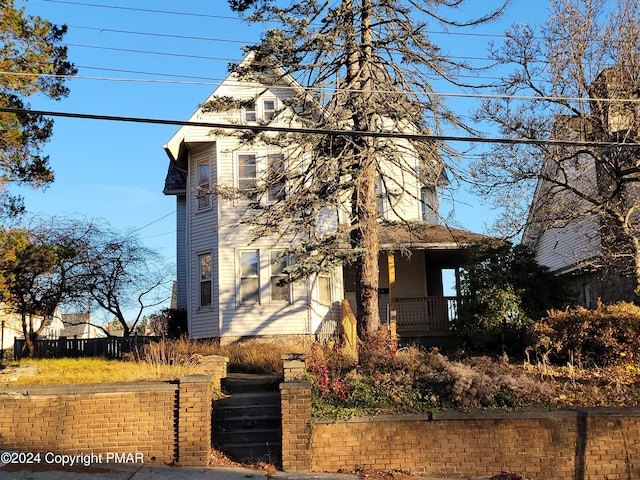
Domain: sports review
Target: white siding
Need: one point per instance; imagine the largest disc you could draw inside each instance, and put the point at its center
(203, 321)
(217, 231)
(562, 248)
(560, 241)
(181, 251)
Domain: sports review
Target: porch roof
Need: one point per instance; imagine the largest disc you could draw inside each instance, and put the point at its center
(427, 236)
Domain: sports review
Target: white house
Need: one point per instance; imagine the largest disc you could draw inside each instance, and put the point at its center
(229, 284)
(566, 227)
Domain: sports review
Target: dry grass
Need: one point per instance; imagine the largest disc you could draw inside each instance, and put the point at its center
(99, 370)
(164, 360)
(248, 356)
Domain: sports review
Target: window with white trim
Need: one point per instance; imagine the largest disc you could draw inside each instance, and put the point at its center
(429, 204)
(268, 110)
(264, 110)
(280, 291)
(250, 114)
(249, 277)
(275, 177)
(204, 262)
(325, 290)
(246, 172)
(204, 184)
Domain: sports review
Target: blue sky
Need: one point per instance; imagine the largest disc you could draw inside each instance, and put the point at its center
(149, 64)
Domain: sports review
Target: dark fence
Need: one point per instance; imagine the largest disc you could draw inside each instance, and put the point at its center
(109, 347)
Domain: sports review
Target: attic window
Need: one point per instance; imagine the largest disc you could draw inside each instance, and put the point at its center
(250, 112)
(269, 109)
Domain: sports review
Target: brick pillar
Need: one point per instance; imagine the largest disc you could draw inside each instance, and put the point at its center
(295, 397)
(293, 366)
(194, 421)
(216, 366)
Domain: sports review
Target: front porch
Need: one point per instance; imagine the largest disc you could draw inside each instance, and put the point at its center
(419, 285)
(420, 316)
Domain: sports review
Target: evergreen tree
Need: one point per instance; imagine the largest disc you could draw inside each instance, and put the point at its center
(33, 62)
(365, 68)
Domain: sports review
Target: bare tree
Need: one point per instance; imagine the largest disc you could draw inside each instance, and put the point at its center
(363, 66)
(581, 76)
(123, 275)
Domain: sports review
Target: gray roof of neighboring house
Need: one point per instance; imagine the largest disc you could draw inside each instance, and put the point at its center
(75, 324)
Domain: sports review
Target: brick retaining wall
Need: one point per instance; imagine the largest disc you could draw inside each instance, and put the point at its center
(590, 444)
(166, 422)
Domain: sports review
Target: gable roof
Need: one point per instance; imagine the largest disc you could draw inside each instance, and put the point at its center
(75, 324)
(173, 147)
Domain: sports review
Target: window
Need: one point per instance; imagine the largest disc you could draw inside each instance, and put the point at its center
(246, 172)
(280, 292)
(205, 279)
(380, 195)
(204, 184)
(324, 289)
(250, 112)
(268, 110)
(249, 277)
(429, 204)
(275, 177)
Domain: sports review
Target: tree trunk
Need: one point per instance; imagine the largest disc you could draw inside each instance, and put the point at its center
(28, 348)
(367, 239)
(364, 200)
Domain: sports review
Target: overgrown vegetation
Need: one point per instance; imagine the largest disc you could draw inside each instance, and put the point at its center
(577, 358)
(99, 370)
(604, 336)
(414, 380)
(504, 291)
(162, 360)
(248, 356)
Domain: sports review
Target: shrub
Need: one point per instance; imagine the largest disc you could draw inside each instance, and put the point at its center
(503, 291)
(412, 380)
(606, 335)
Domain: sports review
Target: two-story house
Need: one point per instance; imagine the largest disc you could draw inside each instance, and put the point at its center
(230, 283)
(583, 219)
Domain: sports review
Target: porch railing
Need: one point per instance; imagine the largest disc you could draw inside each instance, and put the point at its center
(422, 316)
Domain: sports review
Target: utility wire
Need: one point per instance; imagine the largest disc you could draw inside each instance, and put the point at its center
(323, 131)
(342, 90)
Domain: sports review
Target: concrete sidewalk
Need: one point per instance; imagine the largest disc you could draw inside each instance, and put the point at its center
(151, 472)
(158, 472)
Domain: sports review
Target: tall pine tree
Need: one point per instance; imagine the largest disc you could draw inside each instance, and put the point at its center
(367, 65)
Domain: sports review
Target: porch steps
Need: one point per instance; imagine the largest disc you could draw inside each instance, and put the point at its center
(247, 423)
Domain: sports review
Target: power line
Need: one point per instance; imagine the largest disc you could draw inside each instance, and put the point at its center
(341, 90)
(163, 35)
(152, 222)
(323, 131)
(236, 18)
(150, 52)
(148, 10)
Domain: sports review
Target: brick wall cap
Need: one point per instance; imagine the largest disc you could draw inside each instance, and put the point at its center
(201, 378)
(291, 357)
(539, 413)
(490, 415)
(293, 384)
(408, 417)
(88, 388)
(214, 359)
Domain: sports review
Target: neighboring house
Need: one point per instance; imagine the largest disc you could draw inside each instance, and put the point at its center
(229, 284)
(11, 323)
(568, 233)
(78, 325)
